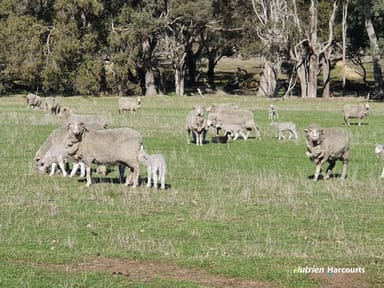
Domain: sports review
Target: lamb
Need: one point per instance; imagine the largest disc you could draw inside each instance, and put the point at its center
(285, 126)
(93, 122)
(197, 125)
(379, 150)
(272, 113)
(33, 101)
(232, 130)
(127, 104)
(327, 144)
(57, 155)
(241, 117)
(56, 137)
(353, 111)
(156, 167)
(109, 147)
(51, 105)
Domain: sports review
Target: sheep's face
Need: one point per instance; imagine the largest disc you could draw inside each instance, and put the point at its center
(212, 120)
(199, 110)
(379, 149)
(143, 156)
(366, 106)
(314, 134)
(76, 128)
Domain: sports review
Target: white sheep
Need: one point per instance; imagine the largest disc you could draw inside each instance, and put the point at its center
(34, 101)
(285, 126)
(214, 108)
(327, 145)
(93, 122)
(128, 104)
(272, 113)
(51, 105)
(232, 130)
(355, 111)
(109, 146)
(156, 168)
(197, 125)
(243, 118)
(379, 150)
(57, 156)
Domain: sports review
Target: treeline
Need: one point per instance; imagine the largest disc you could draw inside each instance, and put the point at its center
(149, 47)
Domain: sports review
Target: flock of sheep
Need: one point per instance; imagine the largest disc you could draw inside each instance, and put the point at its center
(86, 139)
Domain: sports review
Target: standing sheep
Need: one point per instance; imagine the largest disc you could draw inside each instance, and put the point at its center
(51, 105)
(285, 126)
(327, 144)
(197, 125)
(272, 113)
(33, 101)
(93, 122)
(243, 118)
(127, 104)
(353, 111)
(109, 147)
(156, 168)
(232, 130)
(379, 150)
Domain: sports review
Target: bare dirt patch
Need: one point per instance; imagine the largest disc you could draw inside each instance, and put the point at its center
(341, 280)
(147, 271)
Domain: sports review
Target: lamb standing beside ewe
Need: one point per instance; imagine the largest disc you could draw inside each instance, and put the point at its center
(285, 126)
(33, 101)
(156, 168)
(232, 130)
(353, 111)
(93, 122)
(197, 125)
(109, 147)
(379, 150)
(327, 144)
(127, 104)
(241, 117)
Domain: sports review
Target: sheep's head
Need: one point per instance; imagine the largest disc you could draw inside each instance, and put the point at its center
(366, 106)
(143, 156)
(379, 150)
(212, 120)
(199, 110)
(314, 134)
(76, 128)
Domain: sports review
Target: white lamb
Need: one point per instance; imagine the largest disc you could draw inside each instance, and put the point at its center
(128, 104)
(156, 168)
(232, 130)
(272, 113)
(57, 156)
(285, 126)
(379, 150)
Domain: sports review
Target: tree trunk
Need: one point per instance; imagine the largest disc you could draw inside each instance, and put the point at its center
(303, 79)
(179, 81)
(269, 80)
(344, 37)
(150, 86)
(377, 73)
(314, 56)
(326, 67)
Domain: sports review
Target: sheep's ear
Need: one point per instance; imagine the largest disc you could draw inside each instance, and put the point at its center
(306, 130)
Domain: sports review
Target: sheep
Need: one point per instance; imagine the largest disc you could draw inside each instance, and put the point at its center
(51, 105)
(272, 113)
(33, 101)
(241, 117)
(109, 146)
(93, 122)
(353, 111)
(327, 144)
(57, 155)
(379, 150)
(214, 108)
(285, 126)
(127, 104)
(56, 137)
(156, 167)
(232, 130)
(197, 125)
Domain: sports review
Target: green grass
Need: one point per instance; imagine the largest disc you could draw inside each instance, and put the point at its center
(244, 209)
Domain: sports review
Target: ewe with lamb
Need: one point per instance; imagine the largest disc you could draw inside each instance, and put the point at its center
(327, 145)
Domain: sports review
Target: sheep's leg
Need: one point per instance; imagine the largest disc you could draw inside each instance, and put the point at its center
(245, 137)
(236, 136)
(344, 171)
(162, 179)
(74, 169)
(53, 169)
(295, 134)
(88, 173)
(61, 165)
(330, 168)
(134, 175)
(121, 172)
(346, 122)
(382, 173)
(149, 174)
(155, 177)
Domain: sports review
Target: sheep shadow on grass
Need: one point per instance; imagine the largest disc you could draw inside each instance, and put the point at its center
(117, 180)
(332, 176)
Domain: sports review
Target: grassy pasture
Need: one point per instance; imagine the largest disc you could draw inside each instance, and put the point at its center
(244, 210)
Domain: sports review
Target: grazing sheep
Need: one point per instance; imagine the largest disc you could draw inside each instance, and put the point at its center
(285, 126)
(109, 147)
(33, 101)
(379, 150)
(197, 125)
(241, 117)
(353, 111)
(214, 108)
(232, 130)
(156, 168)
(127, 104)
(56, 137)
(51, 105)
(272, 113)
(327, 144)
(93, 122)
